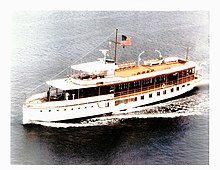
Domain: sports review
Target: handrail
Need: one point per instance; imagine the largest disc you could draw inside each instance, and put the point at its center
(128, 93)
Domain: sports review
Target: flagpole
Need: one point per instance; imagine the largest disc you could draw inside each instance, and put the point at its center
(116, 41)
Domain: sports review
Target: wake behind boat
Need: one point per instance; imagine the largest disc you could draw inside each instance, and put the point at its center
(107, 87)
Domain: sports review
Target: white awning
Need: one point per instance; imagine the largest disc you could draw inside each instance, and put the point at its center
(94, 67)
(63, 84)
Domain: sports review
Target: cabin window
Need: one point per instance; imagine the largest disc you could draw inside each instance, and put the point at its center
(188, 84)
(177, 88)
(184, 73)
(180, 74)
(135, 99)
(57, 110)
(158, 93)
(187, 72)
(120, 86)
(125, 85)
(142, 97)
(112, 89)
(64, 109)
(164, 92)
(190, 71)
(150, 95)
(40, 110)
(107, 104)
(183, 85)
(49, 110)
(71, 108)
(172, 90)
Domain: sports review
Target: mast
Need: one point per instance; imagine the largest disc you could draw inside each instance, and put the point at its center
(116, 42)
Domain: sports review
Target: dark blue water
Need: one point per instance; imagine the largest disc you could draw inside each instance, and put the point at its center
(172, 132)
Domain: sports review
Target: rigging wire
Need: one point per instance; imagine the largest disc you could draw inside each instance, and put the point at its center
(73, 63)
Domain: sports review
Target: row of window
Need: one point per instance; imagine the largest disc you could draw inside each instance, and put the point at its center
(150, 95)
(158, 79)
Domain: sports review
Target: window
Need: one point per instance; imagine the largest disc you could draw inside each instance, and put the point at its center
(150, 95)
(183, 85)
(177, 88)
(158, 93)
(135, 99)
(142, 97)
(188, 84)
(64, 109)
(58, 110)
(71, 108)
(40, 110)
(164, 92)
(171, 90)
(49, 110)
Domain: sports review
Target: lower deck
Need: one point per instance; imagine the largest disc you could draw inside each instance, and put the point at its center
(126, 91)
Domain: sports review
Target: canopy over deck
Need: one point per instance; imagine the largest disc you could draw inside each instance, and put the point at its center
(63, 84)
(95, 67)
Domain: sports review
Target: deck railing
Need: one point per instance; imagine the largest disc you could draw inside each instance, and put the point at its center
(154, 87)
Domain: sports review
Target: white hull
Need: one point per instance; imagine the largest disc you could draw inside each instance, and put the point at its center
(65, 110)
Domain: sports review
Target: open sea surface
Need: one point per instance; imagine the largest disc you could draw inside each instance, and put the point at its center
(173, 132)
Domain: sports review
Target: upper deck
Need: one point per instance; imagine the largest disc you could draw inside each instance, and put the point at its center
(113, 74)
(150, 66)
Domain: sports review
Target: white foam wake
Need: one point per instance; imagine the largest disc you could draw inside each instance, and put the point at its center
(114, 119)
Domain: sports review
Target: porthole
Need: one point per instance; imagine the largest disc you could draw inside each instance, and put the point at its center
(40, 110)
(64, 109)
(49, 110)
(71, 108)
(57, 109)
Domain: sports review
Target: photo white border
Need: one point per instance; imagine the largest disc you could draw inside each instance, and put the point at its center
(8, 7)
